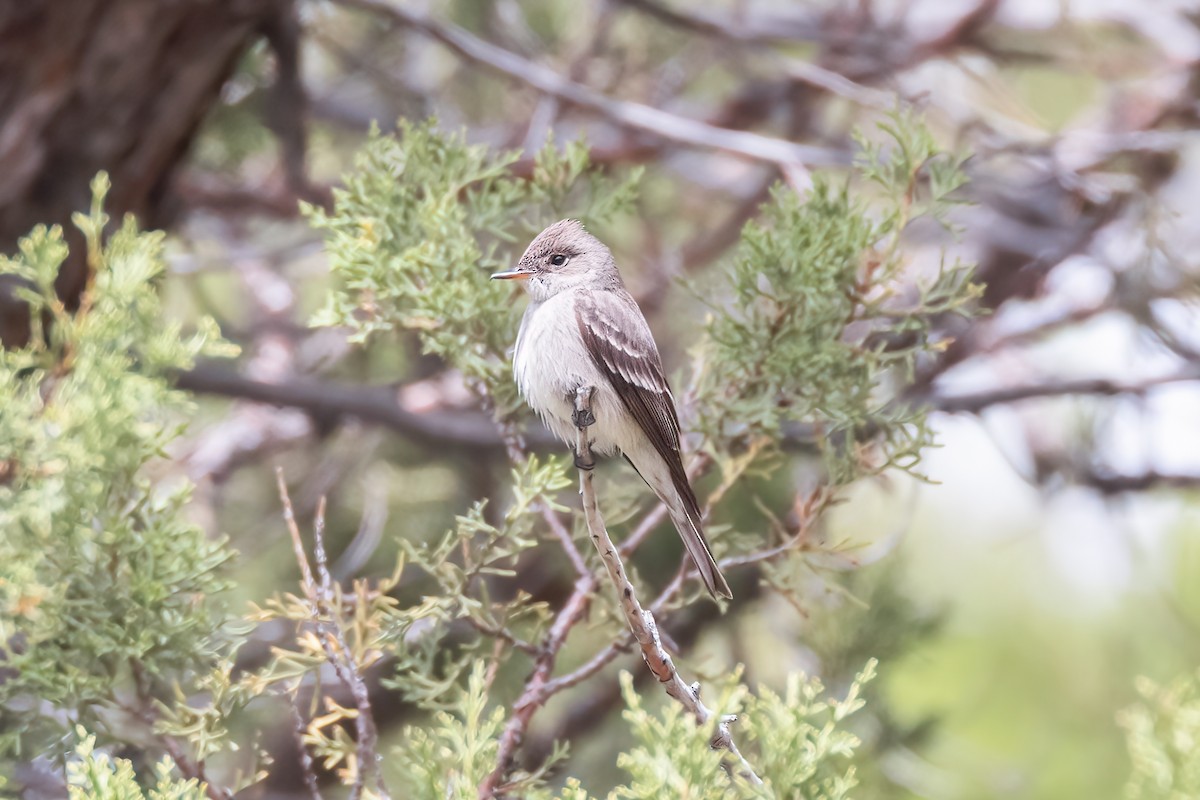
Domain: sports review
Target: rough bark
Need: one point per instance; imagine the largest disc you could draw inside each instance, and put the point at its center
(116, 85)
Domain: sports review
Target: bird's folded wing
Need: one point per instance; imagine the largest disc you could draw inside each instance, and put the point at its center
(620, 343)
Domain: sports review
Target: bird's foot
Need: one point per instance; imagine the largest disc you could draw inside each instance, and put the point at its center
(583, 417)
(587, 465)
(581, 400)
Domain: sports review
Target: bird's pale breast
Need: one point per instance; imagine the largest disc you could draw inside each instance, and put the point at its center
(551, 361)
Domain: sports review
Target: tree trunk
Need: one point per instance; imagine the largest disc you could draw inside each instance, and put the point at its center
(116, 85)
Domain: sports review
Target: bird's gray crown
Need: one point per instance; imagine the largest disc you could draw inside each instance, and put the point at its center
(566, 256)
(566, 237)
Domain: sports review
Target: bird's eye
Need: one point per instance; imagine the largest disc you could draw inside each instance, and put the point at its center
(558, 259)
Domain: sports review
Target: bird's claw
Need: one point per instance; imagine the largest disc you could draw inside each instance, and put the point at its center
(583, 418)
(587, 466)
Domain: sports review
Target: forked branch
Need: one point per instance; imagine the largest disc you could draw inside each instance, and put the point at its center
(641, 622)
(325, 603)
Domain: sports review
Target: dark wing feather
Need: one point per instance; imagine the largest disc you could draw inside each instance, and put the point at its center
(620, 343)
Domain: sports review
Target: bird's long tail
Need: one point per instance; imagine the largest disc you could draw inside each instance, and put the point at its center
(669, 481)
(697, 546)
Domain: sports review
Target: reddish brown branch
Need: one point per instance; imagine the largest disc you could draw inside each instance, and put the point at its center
(534, 694)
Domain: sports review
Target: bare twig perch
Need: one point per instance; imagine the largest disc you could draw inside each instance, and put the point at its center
(641, 622)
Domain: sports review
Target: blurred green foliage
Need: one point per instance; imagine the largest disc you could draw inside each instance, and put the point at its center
(1163, 736)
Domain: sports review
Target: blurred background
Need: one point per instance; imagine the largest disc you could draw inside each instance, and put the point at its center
(1053, 554)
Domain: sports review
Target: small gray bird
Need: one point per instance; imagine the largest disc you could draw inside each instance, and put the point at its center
(583, 328)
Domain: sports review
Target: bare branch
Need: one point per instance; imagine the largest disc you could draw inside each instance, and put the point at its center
(299, 727)
(329, 401)
(504, 634)
(974, 403)
(767, 32)
(534, 694)
(325, 602)
(704, 248)
(662, 124)
(564, 537)
(762, 30)
(641, 622)
(798, 539)
(1109, 483)
(287, 102)
(836, 83)
(270, 198)
(289, 519)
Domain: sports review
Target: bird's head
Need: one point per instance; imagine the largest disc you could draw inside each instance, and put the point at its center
(564, 256)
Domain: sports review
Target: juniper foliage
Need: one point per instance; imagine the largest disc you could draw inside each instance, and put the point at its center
(94, 775)
(107, 594)
(807, 328)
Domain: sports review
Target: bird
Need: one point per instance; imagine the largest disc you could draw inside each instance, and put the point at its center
(583, 328)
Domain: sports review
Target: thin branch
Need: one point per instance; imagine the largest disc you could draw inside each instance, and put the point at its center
(704, 247)
(1043, 328)
(325, 602)
(662, 124)
(504, 634)
(364, 721)
(299, 728)
(592, 706)
(289, 520)
(602, 659)
(763, 30)
(1109, 483)
(767, 32)
(652, 520)
(534, 695)
(564, 537)
(641, 622)
(836, 83)
(287, 102)
(271, 197)
(463, 431)
(798, 540)
(974, 403)
(145, 711)
(548, 108)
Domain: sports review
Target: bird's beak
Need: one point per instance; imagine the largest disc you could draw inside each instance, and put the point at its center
(513, 275)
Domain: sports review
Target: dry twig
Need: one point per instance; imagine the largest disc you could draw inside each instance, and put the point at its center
(325, 602)
(813, 508)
